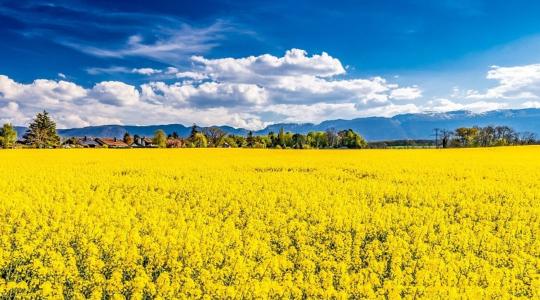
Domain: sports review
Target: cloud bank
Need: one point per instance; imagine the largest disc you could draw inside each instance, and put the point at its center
(245, 92)
(248, 92)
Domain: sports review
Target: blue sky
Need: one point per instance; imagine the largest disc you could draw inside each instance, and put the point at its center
(248, 64)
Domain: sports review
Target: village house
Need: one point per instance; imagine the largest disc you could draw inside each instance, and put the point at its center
(111, 142)
(84, 142)
(143, 142)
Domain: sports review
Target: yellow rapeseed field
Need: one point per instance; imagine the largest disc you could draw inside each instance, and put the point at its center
(240, 223)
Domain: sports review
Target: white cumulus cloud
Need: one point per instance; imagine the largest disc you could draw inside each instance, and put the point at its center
(299, 77)
(517, 82)
(145, 71)
(191, 75)
(294, 62)
(115, 93)
(406, 93)
(247, 92)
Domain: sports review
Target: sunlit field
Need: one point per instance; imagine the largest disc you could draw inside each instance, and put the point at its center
(239, 223)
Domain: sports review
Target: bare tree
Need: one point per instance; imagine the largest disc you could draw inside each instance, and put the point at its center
(486, 136)
(215, 135)
(527, 138)
(446, 135)
(332, 136)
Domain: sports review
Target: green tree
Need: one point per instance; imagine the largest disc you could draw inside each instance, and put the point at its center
(250, 140)
(317, 139)
(350, 139)
(199, 141)
(281, 138)
(231, 141)
(194, 131)
(288, 139)
(8, 136)
(42, 132)
(128, 139)
(467, 136)
(160, 139)
(273, 139)
(266, 140)
(298, 141)
(238, 139)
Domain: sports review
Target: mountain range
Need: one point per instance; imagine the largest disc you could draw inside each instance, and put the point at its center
(399, 127)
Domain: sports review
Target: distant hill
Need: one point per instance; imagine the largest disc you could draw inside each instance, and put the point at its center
(399, 127)
(119, 130)
(420, 126)
(20, 131)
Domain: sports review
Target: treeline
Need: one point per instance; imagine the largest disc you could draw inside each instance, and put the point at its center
(488, 136)
(42, 134)
(420, 143)
(216, 137)
(476, 136)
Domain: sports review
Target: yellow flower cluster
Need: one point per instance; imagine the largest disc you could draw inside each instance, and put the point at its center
(247, 223)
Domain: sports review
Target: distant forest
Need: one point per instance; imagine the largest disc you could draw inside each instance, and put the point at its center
(488, 136)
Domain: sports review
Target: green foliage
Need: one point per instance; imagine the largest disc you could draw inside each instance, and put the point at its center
(42, 132)
(194, 131)
(281, 138)
(351, 139)
(236, 141)
(317, 139)
(264, 140)
(230, 141)
(160, 139)
(8, 136)
(485, 137)
(298, 141)
(250, 140)
(259, 145)
(199, 141)
(467, 136)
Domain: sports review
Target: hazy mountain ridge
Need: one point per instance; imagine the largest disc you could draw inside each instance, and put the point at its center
(404, 126)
